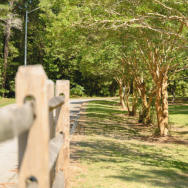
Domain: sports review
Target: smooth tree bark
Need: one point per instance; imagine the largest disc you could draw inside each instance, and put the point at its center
(125, 96)
(144, 117)
(165, 125)
(127, 91)
(159, 68)
(140, 86)
(135, 100)
(120, 83)
(127, 101)
(161, 103)
(159, 71)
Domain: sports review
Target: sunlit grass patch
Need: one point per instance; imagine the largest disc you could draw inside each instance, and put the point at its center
(178, 114)
(124, 163)
(178, 118)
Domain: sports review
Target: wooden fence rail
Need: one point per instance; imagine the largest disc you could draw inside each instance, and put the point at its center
(43, 148)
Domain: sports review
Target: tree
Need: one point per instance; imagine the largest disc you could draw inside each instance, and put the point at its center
(10, 20)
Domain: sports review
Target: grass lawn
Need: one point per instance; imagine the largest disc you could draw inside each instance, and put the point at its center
(178, 117)
(6, 101)
(110, 149)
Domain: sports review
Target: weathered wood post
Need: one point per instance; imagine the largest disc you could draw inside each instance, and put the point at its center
(50, 87)
(34, 159)
(63, 125)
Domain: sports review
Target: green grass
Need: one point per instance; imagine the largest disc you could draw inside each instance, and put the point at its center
(115, 154)
(6, 101)
(178, 118)
(178, 114)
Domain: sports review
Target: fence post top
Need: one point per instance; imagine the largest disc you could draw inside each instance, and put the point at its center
(33, 69)
(49, 81)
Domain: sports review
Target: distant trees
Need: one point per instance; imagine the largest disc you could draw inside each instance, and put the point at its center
(58, 53)
(8, 20)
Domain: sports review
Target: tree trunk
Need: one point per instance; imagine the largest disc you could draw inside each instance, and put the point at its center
(7, 36)
(148, 118)
(161, 104)
(158, 105)
(121, 96)
(144, 117)
(165, 127)
(127, 100)
(127, 90)
(135, 100)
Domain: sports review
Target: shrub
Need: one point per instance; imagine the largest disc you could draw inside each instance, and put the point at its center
(77, 90)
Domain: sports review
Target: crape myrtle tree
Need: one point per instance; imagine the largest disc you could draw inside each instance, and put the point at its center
(160, 57)
(140, 44)
(165, 54)
(165, 24)
(142, 80)
(155, 56)
(162, 24)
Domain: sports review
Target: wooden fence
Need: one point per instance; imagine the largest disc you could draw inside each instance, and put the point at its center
(43, 150)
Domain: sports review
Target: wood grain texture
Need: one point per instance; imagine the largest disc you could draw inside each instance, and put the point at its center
(33, 185)
(50, 93)
(55, 145)
(63, 125)
(33, 146)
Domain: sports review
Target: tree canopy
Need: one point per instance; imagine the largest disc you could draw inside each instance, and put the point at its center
(101, 47)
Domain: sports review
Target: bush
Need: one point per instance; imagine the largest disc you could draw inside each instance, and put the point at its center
(77, 90)
(117, 93)
(105, 91)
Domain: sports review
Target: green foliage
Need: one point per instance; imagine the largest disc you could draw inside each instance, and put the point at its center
(182, 88)
(77, 90)
(84, 41)
(105, 91)
(117, 93)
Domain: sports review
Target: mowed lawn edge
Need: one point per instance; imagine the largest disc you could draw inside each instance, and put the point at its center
(110, 149)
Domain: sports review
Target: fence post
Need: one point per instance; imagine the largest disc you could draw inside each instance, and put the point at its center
(34, 158)
(63, 125)
(50, 85)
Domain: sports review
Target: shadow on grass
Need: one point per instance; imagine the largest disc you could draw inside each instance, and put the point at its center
(135, 163)
(178, 109)
(114, 143)
(183, 132)
(106, 111)
(107, 120)
(172, 179)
